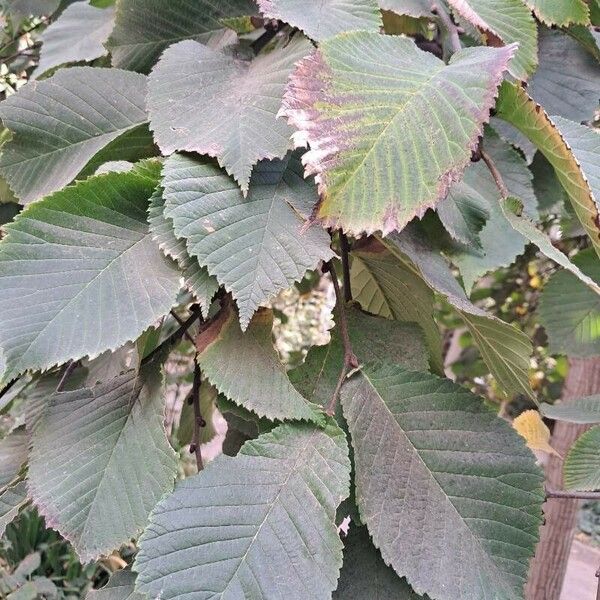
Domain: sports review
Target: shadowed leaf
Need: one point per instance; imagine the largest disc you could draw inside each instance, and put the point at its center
(120, 586)
(478, 478)
(581, 470)
(584, 410)
(259, 525)
(12, 499)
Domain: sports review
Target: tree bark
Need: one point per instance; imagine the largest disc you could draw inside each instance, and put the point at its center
(547, 569)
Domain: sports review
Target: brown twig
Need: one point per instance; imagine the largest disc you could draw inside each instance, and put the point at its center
(65, 376)
(550, 493)
(199, 422)
(449, 26)
(181, 324)
(345, 248)
(350, 360)
(489, 163)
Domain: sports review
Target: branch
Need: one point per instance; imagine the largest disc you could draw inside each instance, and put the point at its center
(65, 376)
(449, 26)
(181, 324)
(550, 493)
(174, 337)
(350, 360)
(489, 163)
(345, 248)
(198, 420)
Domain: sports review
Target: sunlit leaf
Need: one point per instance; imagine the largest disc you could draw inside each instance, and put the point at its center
(530, 426)
(390, 127)
(560, 12)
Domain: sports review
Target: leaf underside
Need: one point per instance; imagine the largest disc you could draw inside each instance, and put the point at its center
(581, 470)
(479, 480)
(259, 525)
(584, 410)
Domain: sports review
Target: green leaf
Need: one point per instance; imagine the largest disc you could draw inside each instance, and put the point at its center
(552, 79)
(412, 8)
(581, 471)
(185, 427)
(478, 479)
(511, 209)
(390, 127)
(365, 575)
(504, 22)
(244, 366)
(206, 101)
(11, 501)
(560, 12)
(196, 278)
(144, 28)
(550, 194)
(464, 213)
(322, 19)
(13, 455)
(77, 35)
(260, 525)
(574, 166)
(570, 311)
(588, 37)
(504, 348)
(254, 246)
(100, 460)
(372, 338)
(73, 265)
(383, 286)
(59, 124)
(120, 586)
(500, 243)
(584, 410)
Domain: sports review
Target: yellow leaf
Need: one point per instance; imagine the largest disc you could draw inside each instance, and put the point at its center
(529, 425)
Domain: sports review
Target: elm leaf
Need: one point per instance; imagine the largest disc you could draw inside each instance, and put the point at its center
(203, 100)
(581, 471)
(120, 586)
(12, 499)
(560, 12)
(322, 19)
(73, 265)
(59, 124)
(254, 246)
(585, 410)
(259, 525)
(390, 127)
(100, 460)
(478, 478)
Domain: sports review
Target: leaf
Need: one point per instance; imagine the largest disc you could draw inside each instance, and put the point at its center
(584, 410)
(59, 124)
(530, 426)
(478, 479)
(245, 367)
(196, 278)
(550, 194)
(322, 19)
(13, 455)
(560, 12)
(413, 8)
(570, 312)
(581, 78)
(365, 575)
(383, 286)
(139, 37)
(503, 22)
(464, 213)
(77, 35)
(372, 338)
(516, 107)
(185, 427)
(254, 246)
(528, 228)
(25, 8)
(73, 265)
(260, 525)
(11, 501)
(504, 348)
(205, 101)
(390, 127)
(120, 586)
(100, 460)
(581, 471)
